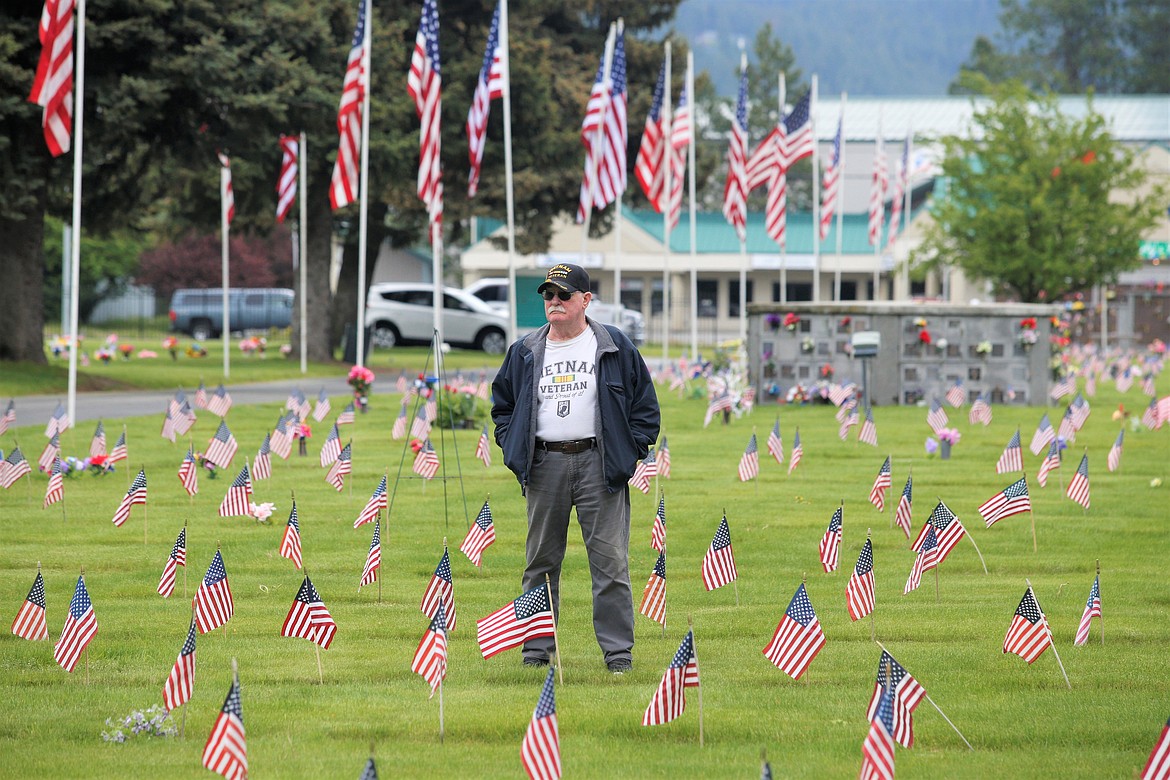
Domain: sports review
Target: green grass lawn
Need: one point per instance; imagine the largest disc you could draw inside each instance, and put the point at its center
(1022, 720)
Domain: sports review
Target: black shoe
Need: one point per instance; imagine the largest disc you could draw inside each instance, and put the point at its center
(619, 665)
(535, 661)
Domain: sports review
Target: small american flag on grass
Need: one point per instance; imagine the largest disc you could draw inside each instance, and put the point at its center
(1012, 458)
(181, 681)
(376, 504)
(290, 543)
(1113, 460)
(136, 494)
(529, 616)
(479, 536)
(308, 618)
(907, 693)
(1043, 436)
(226, 751)
(483, 450)
(262, 466)
(177, 558)
(340, 468)
(859, 595)
(776, 443)
(214, 605)
(441, 590)
(222, 446)
(1078, 485)
(1012, 500)
(654, 595)
(658, 530)
(540, 751)
(80, 628)
(1092, 610)
(669, 701)
(644, 471)
(902, 515)
(1028, 635)
(374, 558)
(831, 541)
(719, 562)
(219, 402)
(430, 657)
(55, 490)
(881, 483)
(238, 497)
(331, 448)
(426, 462)
(189, 473)
(30, 619)
(798, 637)
(936, 418)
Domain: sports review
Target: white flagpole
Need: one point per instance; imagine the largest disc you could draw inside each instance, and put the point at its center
(783, 245)
(878, 150)
(75, 244)
(904, 217)
(593, 157)
(304, 253)
(743, 256)
(225, 179)
(840, 203)
(506, 66)
(363, 216)
(667, 155)
(816, 187)
(690, 81)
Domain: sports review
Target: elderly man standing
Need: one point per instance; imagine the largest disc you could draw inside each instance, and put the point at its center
(575, 410)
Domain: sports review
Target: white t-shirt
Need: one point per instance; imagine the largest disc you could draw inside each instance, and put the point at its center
(566, 390)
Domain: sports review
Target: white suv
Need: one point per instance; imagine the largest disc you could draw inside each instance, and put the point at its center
(494, 292)
(404, 314)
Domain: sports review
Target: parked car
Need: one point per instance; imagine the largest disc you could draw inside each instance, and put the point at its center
(199, 313)
(494, 292)
(403, 313)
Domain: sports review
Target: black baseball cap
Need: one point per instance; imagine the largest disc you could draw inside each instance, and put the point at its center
(564, 276)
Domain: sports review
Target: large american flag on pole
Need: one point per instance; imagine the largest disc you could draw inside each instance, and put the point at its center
(879, 180)
(798, 637)
(648, 165)
(901, 182)
(680, 138)
(491, 85)
(53, 84)
(286, 184)
(603, 131)
(344, 185)
(424, 84)
(735, 190)
(831, 182)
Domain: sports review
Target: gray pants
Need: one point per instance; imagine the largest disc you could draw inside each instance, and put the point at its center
(556, 484)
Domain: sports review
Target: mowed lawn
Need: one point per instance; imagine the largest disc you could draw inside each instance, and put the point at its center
(1022, 720)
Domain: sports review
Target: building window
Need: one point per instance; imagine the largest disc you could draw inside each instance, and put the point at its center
(632, 294)
(733, 296)
(707, 292)
(797, 291)
(656, 296)
(848, 290)
(917, 289)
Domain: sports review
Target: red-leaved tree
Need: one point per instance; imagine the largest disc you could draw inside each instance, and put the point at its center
(195, 260)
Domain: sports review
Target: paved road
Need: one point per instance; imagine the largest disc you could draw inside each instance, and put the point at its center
(36, 409)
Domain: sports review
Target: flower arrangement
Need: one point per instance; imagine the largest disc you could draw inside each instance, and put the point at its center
(96, 465)
(983, 348)
(254, 345)
(202, 461)
(773, 320)
(286, 350)
(1158, 347)
(152, 722)
(171, 344)
(827, 372)
(302, 433)
(461, 406)
(104, 354)
(126, 350)
(791, 320)
(845, 323)
(941, 344)
(920, 322)
(196, 351)
(807, 344)
(360, 378)
(924, 336)
(931, 446)
(262, 512)
(416, 445)
(797, 395)
(1028, 323)
(949, 435)
(146, 354)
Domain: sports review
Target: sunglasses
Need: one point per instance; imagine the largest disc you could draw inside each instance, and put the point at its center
(549, 295)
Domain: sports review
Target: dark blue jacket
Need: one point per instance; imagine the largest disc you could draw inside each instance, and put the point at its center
(626, 402)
